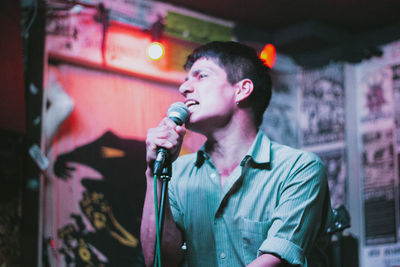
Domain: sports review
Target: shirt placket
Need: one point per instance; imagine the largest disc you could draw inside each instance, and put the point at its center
(223, 247)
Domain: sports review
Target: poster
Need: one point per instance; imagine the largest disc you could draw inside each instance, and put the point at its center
(378, 117)
(322, 114)
(378, 162)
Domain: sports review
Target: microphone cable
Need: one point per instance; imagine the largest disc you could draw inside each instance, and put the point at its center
(158, 245)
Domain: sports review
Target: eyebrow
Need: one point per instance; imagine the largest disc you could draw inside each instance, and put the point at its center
(196, 72)
(193, 73)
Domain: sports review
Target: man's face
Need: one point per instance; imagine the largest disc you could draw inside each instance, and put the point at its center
(209, 96)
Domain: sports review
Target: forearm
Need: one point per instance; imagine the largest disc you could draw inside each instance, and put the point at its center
(268, 260)
(172, 237)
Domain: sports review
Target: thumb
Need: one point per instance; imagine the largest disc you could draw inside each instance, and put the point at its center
(181, 130)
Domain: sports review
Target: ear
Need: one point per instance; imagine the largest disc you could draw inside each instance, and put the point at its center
(244, 88)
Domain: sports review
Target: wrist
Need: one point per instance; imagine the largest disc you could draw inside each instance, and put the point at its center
(149, 172)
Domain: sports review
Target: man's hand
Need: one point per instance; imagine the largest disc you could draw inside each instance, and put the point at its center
(167, 135)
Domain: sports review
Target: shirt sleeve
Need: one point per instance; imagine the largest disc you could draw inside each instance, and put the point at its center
(298, 217)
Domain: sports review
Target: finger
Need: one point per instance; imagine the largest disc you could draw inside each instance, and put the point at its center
(181, 130)
(161, 134)
(166, 143)
(151, 149)
(162, 131)
(168, 122)
(150, 146)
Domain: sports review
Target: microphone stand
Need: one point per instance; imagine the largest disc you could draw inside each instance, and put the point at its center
(165, 178)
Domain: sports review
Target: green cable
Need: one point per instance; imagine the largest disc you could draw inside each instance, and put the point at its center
(158, 247)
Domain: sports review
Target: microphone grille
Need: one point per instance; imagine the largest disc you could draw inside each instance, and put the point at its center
(178, 112)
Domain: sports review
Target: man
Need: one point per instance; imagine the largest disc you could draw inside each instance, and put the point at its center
(241, 199)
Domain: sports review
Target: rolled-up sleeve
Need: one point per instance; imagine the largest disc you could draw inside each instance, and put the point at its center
(298, 217)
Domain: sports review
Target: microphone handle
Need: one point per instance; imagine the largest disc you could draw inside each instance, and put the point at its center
(162, 156)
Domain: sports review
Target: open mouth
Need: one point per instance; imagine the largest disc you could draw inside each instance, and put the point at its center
(190, 102)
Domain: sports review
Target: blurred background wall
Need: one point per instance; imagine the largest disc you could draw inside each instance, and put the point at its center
(79, 91)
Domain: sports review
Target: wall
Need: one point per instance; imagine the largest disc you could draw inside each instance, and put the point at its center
(12, 92)
(350, 116)
(378, 130)
(344, 113)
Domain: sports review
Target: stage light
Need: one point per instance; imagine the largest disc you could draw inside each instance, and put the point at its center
(155, 51)
(268, 55)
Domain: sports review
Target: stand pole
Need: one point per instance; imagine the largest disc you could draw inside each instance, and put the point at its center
(165, 178)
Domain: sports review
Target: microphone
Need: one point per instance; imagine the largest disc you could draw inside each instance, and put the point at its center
(179, 114)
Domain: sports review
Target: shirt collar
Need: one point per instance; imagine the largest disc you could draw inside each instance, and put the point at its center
(201, 156)
(259, 152)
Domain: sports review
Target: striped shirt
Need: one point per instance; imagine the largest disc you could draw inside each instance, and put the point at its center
(276, 201)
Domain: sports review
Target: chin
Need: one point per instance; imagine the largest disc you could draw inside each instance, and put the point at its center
(191, 125)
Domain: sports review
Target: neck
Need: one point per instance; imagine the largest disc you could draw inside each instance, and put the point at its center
(228, 146)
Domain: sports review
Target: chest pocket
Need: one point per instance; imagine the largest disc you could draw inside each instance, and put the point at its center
(253, 233)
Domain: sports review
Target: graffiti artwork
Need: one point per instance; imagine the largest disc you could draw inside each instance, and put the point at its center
(106, 232)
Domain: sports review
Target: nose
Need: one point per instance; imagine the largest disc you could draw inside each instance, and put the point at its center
(185, 88)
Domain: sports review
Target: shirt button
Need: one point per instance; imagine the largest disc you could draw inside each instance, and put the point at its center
(222, 255)
(213, 175)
